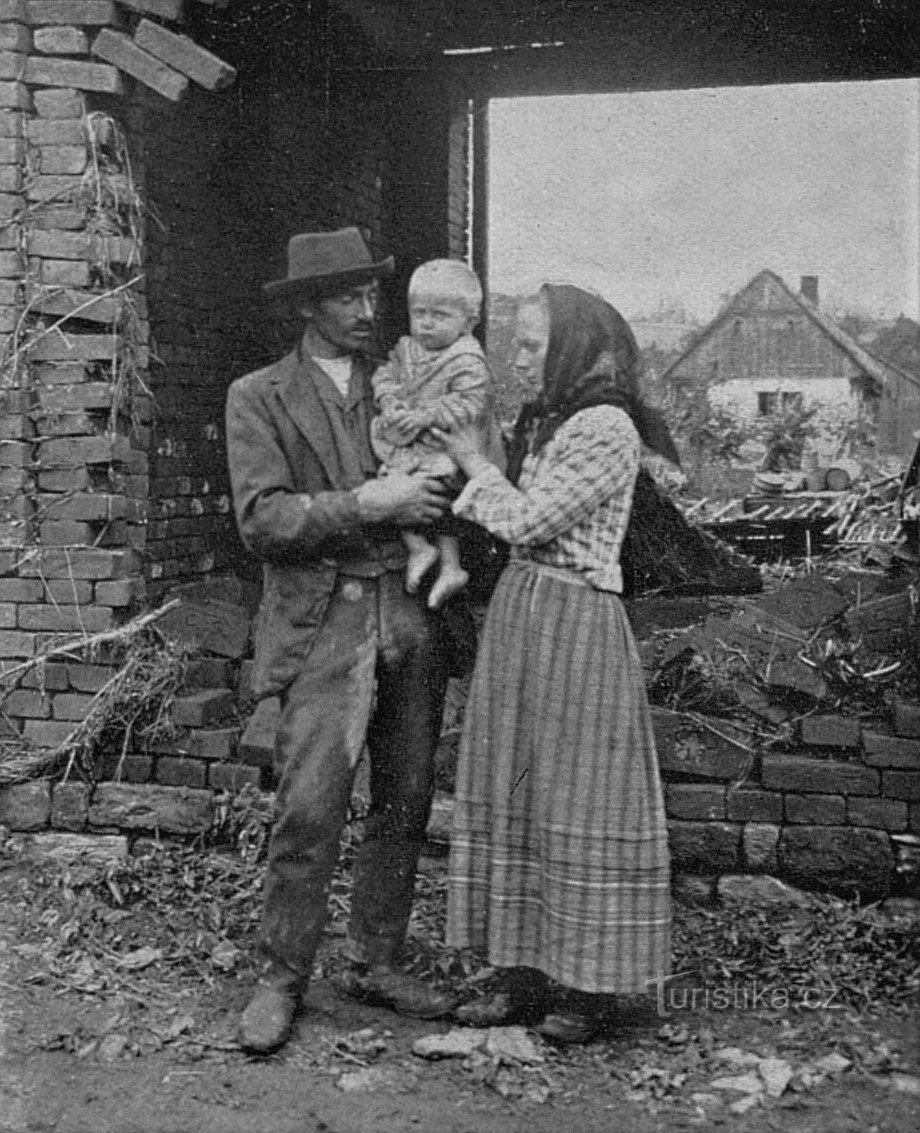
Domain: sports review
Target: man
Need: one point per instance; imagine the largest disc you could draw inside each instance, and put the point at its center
(351, 655)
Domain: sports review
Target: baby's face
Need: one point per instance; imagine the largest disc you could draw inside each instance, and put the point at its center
(437, 321)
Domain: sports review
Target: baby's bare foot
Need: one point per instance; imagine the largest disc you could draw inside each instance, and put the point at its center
(449, 582)
(421, 560)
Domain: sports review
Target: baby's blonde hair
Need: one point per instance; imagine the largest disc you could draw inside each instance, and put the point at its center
(449, 279)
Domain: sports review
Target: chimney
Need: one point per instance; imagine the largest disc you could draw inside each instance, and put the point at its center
(808, 288)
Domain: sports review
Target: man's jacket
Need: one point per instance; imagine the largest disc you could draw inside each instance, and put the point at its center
(293, 479)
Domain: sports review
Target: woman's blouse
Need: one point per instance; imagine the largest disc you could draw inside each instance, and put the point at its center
(572, 503)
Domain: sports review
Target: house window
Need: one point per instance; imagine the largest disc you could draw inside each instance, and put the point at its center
(767, 404)
(789, 401)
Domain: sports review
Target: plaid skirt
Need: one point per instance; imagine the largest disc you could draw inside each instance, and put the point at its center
(559, 854)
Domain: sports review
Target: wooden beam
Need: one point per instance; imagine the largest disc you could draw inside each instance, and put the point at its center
(117, 48)
(185, 55)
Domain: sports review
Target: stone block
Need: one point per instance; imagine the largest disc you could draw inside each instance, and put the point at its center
(183, 54)
(694, 800)
(121, 592)
(137, 769)
(71, 705)
(703, 754)
(89, 678)
(901, 785)
(891, 751)
(15, 37)
(831, 731)
(174, 810)
(47, 733)
(207, 672)
(883, 814)
(26, 806)
(199, 709)
(81, 562)
(800, 774)
(97, 13)
(75, 347)
(58, 103)
(214, 626)
(806, 602)
(16, 644)
(12, 65)
(666, 726)
(70, 805)
(233, 776)
(213, 744)
(117, 48)
(692, 890)
(15, 96)
(705, 847)
(27, 703)
(758, 890)
(50, 677)
(882, 624)
(913, 818)
(840, 859)
(178, 771)
(44, 71)
(816, 810)
(61, 40)
(65, 619)
(13, 10)
(173, 10)
(759, 841)
(906, 719)
(56, 132)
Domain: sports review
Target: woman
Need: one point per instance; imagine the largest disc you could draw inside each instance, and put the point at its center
(559, 857)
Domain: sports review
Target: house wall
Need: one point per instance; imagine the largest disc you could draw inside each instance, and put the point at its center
(740, 396)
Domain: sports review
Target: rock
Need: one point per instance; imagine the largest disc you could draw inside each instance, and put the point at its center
(776, 1074)
(840, 859)
(805, 602)
(748, 1083)
(905, 1083)
(370, 1078)
(736, 1057)
(833, 1063)
(692, 890)
(212, 625)
(742, 1105)
(257, 743)
(513, 1044)
(901, 907)
(460, 1042)
(26, 806)
(759, 889)
(705, 1099)
(704, 847)
(759, 841)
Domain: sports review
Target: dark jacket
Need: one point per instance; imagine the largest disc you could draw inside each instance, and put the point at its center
(293, 497)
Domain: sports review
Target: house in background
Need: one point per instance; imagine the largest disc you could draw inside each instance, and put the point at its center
(771, 349)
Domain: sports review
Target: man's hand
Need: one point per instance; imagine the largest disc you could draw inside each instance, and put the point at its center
(404, 498)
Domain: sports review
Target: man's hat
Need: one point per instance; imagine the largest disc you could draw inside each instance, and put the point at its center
(318, 261)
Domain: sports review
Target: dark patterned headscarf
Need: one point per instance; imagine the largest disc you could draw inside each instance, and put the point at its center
(591, 359)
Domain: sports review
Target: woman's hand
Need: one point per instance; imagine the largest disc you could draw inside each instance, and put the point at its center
(465, 443)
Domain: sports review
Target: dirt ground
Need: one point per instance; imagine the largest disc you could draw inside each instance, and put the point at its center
(149, 1056)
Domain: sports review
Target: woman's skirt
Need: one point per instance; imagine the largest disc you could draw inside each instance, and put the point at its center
(559, 855)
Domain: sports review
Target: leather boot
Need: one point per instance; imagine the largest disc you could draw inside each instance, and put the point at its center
(402, 993)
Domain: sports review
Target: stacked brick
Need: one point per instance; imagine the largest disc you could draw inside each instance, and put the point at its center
(843, 813)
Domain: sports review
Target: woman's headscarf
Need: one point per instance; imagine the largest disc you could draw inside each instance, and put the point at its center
(591, 359)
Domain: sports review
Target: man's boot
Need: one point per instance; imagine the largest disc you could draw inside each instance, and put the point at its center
(266, 1023)
(388, 987)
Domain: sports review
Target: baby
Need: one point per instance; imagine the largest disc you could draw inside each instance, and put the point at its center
(438, 375)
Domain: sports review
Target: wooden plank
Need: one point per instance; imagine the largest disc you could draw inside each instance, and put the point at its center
(185, 55)
(117, 48)
(96, 13)
(73, 73)
(173, 10)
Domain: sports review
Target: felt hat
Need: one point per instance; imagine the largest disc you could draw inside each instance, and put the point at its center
(318, 261)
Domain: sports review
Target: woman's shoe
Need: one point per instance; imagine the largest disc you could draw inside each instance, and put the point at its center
(493, 1011)
(568, 1029)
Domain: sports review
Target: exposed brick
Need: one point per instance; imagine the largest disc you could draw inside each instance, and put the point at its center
(74, 591)
(831, 731)
(80, 562)
(50, 677)
(11, 123)
(71, 705)
(61, 41)
(701, 754)
(123, 52)
(60, 103)
(174, 810)
(66, 273)
(27, 703)
(21, 590)
(68, 451)
(56, 132)
(901, 785)
(823, 776)
(96, 12)
(883, 814)
(759, 841)
(705, 847)
(913, 818)
(137, 769)
(12, 64)
(73, 73)
(90, 507)
(15, 37)
(907, 718)
(89, 678)
(891, 751)
(47, 733)
(694, 800)
(233, 776)
(166, 9)
(212, 743)
(206, 672)
(16, 644)
(184, 55)
(120, 592)
(26, 806)
(178, 771)
(64, 619)
(842, 859)
(70, 806)
(816, 810)
(15, 96)
(7, 615)
(199, 709)
(13, 10)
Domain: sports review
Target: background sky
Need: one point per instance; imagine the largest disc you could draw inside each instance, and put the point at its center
(685, 195)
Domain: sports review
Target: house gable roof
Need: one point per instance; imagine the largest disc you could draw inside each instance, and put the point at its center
(877, 369)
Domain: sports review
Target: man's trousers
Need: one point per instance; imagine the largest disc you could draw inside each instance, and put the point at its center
(373, 676)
